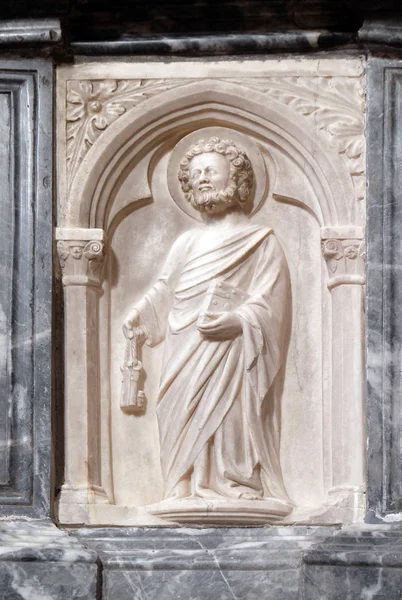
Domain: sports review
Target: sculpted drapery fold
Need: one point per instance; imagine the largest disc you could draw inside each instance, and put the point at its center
(216, 408)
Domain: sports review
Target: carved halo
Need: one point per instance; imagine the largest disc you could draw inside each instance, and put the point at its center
(243, 142)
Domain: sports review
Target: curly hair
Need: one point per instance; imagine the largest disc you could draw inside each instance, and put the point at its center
(241, 171)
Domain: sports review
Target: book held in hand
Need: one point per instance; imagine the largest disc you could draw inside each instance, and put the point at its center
(220, 297)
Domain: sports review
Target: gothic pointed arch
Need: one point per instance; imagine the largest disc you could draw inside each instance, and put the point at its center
(192, 106)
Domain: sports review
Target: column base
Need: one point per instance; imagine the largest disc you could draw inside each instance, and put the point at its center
(72, 505)
(342, 505)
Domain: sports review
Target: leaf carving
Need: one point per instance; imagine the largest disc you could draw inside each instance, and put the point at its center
(92, 106)
(336, 106)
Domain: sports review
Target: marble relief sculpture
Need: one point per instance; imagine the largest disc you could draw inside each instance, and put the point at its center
(222, 306)
(248, 388)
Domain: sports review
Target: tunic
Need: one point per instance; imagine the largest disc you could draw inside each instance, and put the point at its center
(218, 409)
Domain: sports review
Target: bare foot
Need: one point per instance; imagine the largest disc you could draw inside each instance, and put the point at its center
(249, 496)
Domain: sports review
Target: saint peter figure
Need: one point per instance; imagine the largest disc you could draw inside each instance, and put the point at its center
(218, 422)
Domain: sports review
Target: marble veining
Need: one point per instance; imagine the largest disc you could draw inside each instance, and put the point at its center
(217, 44)
(384, 289)
(37, 560)
(202, 549)
(201, 564)
(362, 562)
(28, 31)
(386, 31)
(40, 541)
(26, 270)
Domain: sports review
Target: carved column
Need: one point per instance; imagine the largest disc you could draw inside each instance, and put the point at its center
(81, 255)
(343, 250)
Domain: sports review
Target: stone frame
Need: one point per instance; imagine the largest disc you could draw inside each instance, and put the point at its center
(25, 402)
(384, 287)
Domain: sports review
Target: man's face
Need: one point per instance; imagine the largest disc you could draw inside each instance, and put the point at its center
(209, 171)
(211, 183)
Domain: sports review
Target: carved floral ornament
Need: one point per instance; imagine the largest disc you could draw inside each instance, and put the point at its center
(90, 250)
(345, 256)
(92, 106)
(81, 257)
(333, 104)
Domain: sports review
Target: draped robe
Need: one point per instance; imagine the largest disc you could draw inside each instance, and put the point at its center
(217, 413)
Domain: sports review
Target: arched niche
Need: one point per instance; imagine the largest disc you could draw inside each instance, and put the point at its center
(140, 129)
(98, 209)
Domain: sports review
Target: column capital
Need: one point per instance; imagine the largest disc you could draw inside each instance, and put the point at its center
(81, 255)
(343, 249)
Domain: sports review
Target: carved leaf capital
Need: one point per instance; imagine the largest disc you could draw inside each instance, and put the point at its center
(81, 261)
(345, 260)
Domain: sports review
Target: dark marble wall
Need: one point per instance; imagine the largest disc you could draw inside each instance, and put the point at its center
(384, 286)
(25, 296)
(89, 19)
(125, 20)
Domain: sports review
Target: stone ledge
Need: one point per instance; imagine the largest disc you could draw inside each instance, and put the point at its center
(280, 563)
(206, 564)
(387, 32)
(288, 41)
(29, 31)
(357, 562)
(40, 541)
(37, 560)
(370, 545)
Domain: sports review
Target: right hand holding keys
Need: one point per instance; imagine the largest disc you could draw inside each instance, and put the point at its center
(132, 320)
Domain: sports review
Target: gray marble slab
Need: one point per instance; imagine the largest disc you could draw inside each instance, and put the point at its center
(216, 44)
(201, 564)
(384, 287)
(40, 562)
(26, 273)
(384, 31)
(29, 31)
(364, 562)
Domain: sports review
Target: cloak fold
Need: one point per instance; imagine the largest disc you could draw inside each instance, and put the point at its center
(221, 391)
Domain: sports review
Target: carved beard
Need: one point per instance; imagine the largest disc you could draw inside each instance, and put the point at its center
(213, 201)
